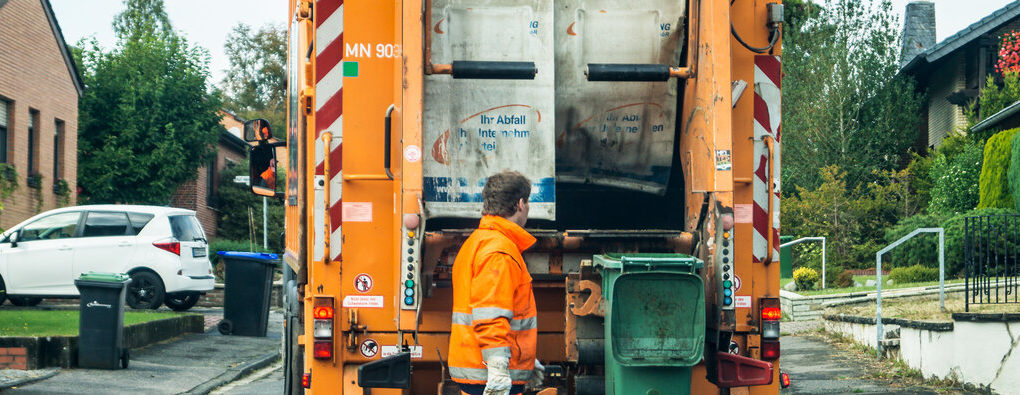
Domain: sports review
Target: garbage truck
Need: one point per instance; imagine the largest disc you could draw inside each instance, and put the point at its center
(650, 130)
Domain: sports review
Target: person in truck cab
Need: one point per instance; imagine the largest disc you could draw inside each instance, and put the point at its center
(494, 333)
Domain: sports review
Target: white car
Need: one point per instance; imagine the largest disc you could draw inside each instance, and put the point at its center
(163, 249)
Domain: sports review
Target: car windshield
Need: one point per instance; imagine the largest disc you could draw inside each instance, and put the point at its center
(186, 228)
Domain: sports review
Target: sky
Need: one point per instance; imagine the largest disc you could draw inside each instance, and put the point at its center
(203, 22)
(208, 22)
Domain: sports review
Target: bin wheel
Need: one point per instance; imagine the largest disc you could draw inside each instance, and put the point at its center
(124, 358)
(226, 327)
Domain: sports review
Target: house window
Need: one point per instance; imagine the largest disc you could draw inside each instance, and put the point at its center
(58, 148)
(3, 130)
(33, 144)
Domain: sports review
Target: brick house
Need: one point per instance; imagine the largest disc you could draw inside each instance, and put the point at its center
(954, 70)
(198, 193)
(39, 93)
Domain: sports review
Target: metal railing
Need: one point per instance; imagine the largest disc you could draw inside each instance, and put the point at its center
(878, 277)
(803, 239)
(991, 254)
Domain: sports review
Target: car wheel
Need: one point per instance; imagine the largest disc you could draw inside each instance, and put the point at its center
(145, 291)
(181, 302)
(25, 301)
(3, 291)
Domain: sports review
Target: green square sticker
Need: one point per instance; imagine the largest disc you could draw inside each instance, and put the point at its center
(350, 69)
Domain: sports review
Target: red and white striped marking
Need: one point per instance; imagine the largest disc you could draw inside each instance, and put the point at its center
(329, 44)
(767, 116)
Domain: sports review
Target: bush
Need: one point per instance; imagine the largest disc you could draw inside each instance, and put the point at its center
(1014, 171)
(845, 279)
(805, 278)
(919, 250)
(228, 245)
(923, 249)
(913, 274)
(955, 178)
(994, 183)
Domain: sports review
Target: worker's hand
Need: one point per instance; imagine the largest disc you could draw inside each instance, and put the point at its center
(537, 376)
(498, 382)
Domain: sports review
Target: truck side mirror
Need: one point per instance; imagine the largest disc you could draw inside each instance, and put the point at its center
(262, 170)
(257, 130)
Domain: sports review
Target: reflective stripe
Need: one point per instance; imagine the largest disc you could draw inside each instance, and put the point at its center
(481, 374)
(524, 324)
(521, 324)
(488, 313)
(462, 318)
(501, 351)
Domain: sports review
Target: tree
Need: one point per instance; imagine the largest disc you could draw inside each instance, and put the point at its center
(843, 102)
(235, 202)
(147, 118)
(256, 82)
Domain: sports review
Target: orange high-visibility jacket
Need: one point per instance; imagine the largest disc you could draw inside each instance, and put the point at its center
(493, 303)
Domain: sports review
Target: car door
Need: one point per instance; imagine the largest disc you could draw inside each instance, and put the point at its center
(107, 243)
(41, 262)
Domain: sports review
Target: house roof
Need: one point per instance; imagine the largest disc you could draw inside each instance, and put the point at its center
(64, 50)
(234, 142)
(995, 118)
(970, 33)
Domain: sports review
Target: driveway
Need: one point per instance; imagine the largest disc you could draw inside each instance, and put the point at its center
(192, 362)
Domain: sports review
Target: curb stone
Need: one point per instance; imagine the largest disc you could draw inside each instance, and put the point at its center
(29, 380)
(234, 373)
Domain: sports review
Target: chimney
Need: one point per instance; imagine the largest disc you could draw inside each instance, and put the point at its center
(918, 30)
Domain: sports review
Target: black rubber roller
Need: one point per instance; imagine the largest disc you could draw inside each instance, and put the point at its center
(465, 69)
(627, 72)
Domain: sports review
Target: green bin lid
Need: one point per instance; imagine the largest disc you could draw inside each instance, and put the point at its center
(104, 277)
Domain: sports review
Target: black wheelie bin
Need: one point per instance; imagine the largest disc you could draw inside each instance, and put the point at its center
(101, 320)
(247, 288)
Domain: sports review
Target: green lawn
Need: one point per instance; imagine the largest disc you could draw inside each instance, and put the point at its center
(61, 322)
(863, 280)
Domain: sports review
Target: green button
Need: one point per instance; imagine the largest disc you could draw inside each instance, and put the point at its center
(350, 69)
(409, 283)
(727, 284)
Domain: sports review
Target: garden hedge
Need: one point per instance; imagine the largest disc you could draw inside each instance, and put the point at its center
(994, 183)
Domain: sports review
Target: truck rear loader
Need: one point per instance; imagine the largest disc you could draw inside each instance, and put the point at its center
(650, 130)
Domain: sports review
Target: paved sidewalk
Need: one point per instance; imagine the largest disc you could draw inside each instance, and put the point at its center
(197, 361)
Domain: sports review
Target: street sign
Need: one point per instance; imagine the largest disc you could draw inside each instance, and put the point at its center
(242, 180)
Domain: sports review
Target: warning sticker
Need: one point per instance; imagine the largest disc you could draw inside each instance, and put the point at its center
(412, 153)
(736, 283)
(369, 348)
(742, 302)
(742, 213)
(363, 301)
(357, 212)
(394, 350)
(723, 160)
(363, 283)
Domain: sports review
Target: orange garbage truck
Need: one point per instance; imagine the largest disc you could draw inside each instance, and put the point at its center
(649, 129)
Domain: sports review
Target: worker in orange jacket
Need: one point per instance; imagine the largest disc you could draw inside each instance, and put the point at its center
(494, 334)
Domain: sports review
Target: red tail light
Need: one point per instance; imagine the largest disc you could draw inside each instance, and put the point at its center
(771, 314)
(770, 349)
(322, 328)
(784, 379)
(323, 350)
(306, 380)
(171, 245)
(322, 312)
